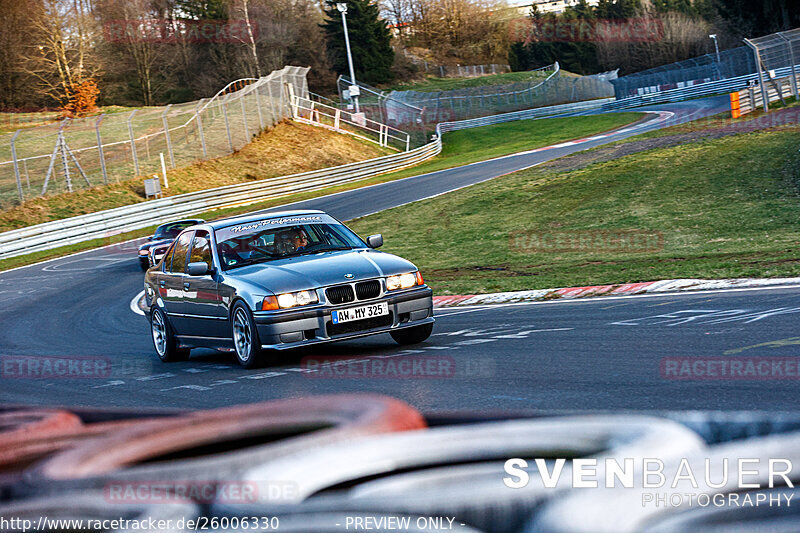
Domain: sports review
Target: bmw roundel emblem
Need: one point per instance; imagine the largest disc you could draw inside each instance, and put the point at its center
(348, 276)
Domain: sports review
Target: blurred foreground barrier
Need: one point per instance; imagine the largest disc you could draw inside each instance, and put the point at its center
(467, 480)
(314, 464)
(220, 444)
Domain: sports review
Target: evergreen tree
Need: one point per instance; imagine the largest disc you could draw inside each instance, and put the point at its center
(370, 41)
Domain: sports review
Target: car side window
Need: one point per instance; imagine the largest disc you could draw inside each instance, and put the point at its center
(201, 248)
(179, 253)
(167, 259)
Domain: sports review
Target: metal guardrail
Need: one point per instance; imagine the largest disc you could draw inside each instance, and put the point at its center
(104, 224)
(538, 112)
(357, 124)
(748, 100)
(725, 86)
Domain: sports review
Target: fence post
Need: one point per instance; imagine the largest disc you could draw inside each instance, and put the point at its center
(336, 117)
(200, 128)
(244, 118)
(272, 102)
(227, 125)
(258, 104)
(293, 103)
(100, 153)
(16, 165)
(764, 95)
(133, 143)
(791, 60)
(167, 137)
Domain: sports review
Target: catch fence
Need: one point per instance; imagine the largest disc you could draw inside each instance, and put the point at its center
(98, 150)
(420, 111)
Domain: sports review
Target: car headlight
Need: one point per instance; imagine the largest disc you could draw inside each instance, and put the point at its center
(295, 299)
(143, 252)
(404, 281)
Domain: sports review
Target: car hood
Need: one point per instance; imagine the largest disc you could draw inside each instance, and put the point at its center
(319, 270)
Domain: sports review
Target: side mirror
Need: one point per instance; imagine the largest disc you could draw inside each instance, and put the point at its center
(150, 238)
(375, 241)
(197, 269)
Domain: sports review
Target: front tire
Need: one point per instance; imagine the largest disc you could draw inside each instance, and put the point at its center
(412, 335)
(245, 337)
(164, 339)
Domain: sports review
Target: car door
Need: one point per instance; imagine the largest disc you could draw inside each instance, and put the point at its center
(205, 314)
(172, 280)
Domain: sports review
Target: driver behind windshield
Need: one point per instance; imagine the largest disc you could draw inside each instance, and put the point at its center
(294, 240)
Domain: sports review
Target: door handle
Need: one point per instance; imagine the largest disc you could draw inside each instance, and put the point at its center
(186, 285)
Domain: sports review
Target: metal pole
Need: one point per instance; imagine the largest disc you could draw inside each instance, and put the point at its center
(791, 59)
(258, 104)
(64, 163)
(349, 56)
(200, 129)
(764, 95)
(244, 117)
(16, 165)
(100, 149)
(227, 125)
(164, 170)
(274, 117)
(133, 143)
(166, 135)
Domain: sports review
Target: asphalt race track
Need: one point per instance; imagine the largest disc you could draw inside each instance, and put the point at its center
(606, 353)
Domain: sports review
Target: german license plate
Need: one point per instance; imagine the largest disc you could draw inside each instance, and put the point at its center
(360, 313)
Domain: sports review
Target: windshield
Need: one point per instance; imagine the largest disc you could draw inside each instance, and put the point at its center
(170, 231)
(263, 241)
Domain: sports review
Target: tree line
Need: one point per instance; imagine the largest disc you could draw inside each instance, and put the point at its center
(64, 53)
(681, 30)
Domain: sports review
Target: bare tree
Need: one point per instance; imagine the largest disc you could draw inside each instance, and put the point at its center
(16, 35)
(65, 31)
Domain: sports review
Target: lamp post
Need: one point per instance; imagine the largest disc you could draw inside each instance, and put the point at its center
(354, 91)
(716, 44)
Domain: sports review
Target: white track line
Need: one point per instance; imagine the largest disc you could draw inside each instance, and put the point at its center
(135, 304)
(69, 255)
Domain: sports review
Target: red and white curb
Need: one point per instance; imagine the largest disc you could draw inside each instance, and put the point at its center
(625, 289)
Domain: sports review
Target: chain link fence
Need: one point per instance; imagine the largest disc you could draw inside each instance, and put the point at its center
(92, 151)
(418, 112)
(776, 57)
(683, 74)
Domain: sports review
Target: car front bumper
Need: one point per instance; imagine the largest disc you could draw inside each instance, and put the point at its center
(293, 328)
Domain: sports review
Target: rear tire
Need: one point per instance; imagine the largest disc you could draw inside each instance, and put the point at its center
(164, 339)
(245, 337)
(413, 335)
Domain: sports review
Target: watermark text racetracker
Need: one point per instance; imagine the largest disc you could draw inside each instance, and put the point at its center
(179, 31)
(636, 30)
(700, 482)
(396, 367)
(586, 241)
(71, 367)
(730, 368)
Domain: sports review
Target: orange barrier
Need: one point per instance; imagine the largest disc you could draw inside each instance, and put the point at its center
(735, 106)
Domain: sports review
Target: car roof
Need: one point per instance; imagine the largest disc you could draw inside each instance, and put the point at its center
(184, 221)
(263, 216)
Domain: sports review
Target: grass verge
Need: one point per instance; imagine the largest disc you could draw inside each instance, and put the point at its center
(460, 148)
(728, 207)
